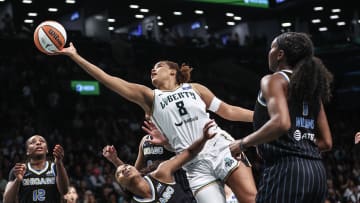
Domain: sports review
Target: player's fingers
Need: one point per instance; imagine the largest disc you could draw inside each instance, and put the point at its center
(112, 148)
(147, 130)
(207, 126)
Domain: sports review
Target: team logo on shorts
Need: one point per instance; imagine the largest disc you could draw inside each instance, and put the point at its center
(297, 135)
(228, 162)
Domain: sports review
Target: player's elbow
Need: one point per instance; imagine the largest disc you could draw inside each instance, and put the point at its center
(282, 125)
(327, 145)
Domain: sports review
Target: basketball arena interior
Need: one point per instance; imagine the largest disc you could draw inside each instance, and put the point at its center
(226, 43)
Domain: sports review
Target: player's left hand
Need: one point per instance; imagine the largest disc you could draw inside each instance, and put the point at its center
(207, 132)
(157, 137)
(58, 153)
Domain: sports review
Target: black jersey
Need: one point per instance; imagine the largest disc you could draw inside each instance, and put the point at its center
(155, 152)
(300, 140)
(163, 192)
(38, 185)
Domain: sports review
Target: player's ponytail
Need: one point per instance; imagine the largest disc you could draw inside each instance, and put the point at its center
(183, 75)
(310, 80)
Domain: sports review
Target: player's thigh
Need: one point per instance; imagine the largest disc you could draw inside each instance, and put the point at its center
(242, 183)
(212, 193)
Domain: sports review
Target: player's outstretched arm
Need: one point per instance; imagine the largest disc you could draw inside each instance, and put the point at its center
(110, 153)
(133, 92)
(221, 108)
(170, 166)
(140, 160)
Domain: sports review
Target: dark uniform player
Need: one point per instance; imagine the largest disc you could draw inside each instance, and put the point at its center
(38, 185)
(290, 123)
(294, 158)
(150, 153)
(38, 180)
(158, 185)
(165, 192)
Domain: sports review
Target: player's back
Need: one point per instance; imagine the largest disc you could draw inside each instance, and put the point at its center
(163, 192)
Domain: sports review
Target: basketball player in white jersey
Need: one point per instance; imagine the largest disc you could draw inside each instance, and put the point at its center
(179, 109)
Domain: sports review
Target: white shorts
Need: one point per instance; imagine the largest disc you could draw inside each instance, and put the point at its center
(213, 163)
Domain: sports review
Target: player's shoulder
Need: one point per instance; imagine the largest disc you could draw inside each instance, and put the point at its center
(272, 78)
(199, 88)
(194, 85)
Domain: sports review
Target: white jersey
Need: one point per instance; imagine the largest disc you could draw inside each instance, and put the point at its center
(180, 114)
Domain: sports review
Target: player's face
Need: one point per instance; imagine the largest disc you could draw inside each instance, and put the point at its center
(36, 145)
(273, 56)
(125, 173)
(160, 73)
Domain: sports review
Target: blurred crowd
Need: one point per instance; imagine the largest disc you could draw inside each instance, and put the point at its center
(36, 98)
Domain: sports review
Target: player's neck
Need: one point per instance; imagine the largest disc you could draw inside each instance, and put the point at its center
(284, 67)
(169, 87)
(142, 188)
(37, 164)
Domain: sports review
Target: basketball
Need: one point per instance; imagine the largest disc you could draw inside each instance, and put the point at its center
(49, 37)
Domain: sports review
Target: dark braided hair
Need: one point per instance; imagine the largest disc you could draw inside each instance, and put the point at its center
(310, 80)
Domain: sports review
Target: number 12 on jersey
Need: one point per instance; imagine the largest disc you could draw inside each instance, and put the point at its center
(39, 195)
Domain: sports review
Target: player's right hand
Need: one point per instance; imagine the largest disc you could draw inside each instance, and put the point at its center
(19, 171)
(207, 132)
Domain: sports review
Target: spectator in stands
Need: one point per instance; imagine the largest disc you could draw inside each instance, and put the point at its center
(71, 196)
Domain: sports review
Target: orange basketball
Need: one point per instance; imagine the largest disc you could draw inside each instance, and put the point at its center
(49, 37)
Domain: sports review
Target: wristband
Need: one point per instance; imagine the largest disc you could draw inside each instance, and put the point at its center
(241, 145)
